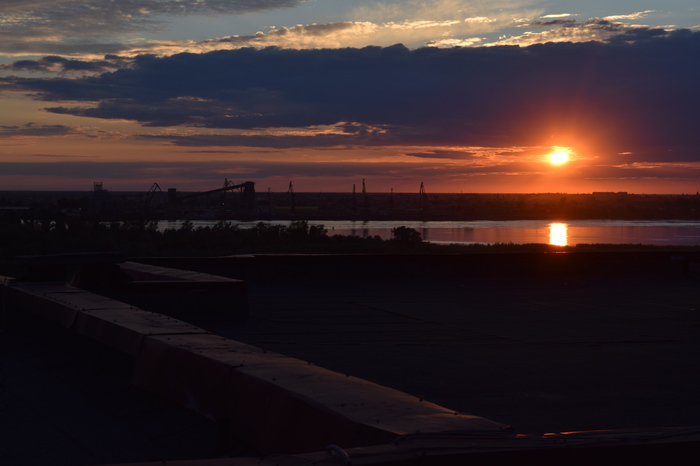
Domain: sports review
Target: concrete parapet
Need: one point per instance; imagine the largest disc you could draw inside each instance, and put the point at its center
(113, 323)
(280, 404)
(154, 288)
(56, 301)
(274, 403)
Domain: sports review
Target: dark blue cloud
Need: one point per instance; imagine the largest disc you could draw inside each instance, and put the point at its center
(47, 63)
(53, 63)
(555, 22)
(442, 154)
(32, 130)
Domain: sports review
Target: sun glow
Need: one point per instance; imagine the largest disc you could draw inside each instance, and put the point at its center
(559, 156)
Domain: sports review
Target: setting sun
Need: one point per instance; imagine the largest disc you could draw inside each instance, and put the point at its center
(559, 156)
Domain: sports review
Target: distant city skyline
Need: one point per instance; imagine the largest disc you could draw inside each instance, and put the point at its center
(464, 96)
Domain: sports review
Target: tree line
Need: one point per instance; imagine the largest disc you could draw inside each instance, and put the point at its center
(144, 238)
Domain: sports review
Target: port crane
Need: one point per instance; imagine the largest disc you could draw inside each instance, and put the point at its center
(151, 193)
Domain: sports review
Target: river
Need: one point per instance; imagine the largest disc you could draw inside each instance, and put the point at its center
(571, 233)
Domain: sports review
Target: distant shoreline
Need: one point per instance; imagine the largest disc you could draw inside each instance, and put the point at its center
(104, 205)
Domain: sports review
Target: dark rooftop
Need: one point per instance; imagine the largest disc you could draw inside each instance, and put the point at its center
(607, 344)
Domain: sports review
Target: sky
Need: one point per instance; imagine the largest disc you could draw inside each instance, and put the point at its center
(463, 96)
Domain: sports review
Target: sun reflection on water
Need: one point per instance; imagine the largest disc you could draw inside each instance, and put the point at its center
(558, 234)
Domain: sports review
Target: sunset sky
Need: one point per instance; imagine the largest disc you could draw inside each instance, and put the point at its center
(464, 96)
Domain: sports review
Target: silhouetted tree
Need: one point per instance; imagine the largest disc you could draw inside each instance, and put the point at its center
(406, 235)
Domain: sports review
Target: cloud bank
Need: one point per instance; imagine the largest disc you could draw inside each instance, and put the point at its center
(60, 19)
(622, 93)
(92, 29)
(569, 30)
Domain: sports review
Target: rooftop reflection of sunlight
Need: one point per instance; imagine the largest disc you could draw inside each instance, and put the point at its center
(558, 234)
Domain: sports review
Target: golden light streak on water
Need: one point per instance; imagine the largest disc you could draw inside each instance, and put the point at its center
(558, 234)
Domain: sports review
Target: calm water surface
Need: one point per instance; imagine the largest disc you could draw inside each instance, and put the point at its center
(658, 232)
